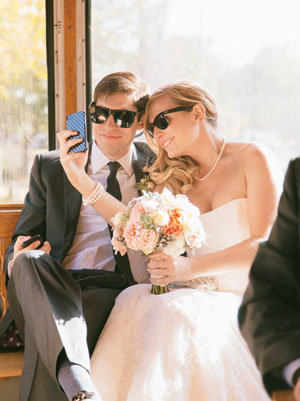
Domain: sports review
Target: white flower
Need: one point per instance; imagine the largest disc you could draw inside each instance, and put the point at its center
(191, 211)
(188, 225)
(117, 219)
(168, 197)
(196, 237)
(176, 247)
(161, 218)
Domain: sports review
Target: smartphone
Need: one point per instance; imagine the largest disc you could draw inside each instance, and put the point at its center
(36, 237)
(77, 122)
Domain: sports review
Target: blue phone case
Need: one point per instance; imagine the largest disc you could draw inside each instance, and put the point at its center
(77, 122)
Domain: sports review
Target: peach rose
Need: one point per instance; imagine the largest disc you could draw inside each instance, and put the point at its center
(136, 212)
(147, 206)
(132, 234)
(147, 241)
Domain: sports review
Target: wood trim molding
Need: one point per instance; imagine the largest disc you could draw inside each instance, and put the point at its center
(70, 59)
(70, 56)
(14, 206)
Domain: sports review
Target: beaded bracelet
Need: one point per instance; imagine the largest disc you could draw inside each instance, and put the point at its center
(94, 196)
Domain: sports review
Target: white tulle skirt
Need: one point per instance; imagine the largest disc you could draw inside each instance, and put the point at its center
(181, 346)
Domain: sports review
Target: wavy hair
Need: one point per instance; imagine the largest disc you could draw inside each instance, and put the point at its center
(178, 173)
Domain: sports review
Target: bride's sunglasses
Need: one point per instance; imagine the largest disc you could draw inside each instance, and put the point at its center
(122, 118)
(162, 122)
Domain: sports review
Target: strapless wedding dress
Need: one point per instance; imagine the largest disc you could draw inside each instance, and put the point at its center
(184, 345)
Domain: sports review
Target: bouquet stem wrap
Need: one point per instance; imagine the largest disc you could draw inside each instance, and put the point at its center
(159, 289)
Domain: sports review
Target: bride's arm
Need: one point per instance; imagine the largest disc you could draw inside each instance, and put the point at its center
(264, 184)
(74, 166)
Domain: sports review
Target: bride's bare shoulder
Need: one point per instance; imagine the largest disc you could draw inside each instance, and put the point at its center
(250, 152)
(257, 160)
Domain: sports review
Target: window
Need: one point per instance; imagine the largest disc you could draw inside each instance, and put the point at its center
(23, 93)
(246, 53)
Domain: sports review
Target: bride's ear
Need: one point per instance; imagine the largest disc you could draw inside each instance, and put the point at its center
(199, 112)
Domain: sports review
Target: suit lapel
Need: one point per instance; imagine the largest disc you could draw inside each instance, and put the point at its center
(138, 165)
(72, 200)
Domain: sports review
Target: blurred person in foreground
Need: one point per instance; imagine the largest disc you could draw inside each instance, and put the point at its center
(269, 316)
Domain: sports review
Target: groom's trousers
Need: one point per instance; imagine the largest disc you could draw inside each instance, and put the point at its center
(55, 311)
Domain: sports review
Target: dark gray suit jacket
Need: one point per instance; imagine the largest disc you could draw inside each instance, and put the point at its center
(52, 205)
(269, 316)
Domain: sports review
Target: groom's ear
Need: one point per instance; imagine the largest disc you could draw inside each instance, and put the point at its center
(141, 123)
(199, 112)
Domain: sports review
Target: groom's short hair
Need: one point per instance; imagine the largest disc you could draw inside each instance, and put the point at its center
(124, 82)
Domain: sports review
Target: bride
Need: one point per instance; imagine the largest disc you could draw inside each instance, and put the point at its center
(185, 344)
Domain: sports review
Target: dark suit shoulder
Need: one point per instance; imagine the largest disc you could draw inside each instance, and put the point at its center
(145, 156)
(293, 169)
(50, 158)
(291, 183)
(47, 165)
(144, 148)
(295, 160)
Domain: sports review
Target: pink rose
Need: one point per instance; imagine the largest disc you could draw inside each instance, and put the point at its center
(132, 233)
(147, 206)
(147, 241)
(136, 212)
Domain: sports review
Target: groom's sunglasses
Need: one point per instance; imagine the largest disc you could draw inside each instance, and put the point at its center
(122, 118)
(162, 122)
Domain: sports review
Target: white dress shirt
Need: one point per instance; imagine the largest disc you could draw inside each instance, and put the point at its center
(289, 370)
(91, 247)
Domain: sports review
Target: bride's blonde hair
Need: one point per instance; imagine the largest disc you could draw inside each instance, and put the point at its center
(178, 173)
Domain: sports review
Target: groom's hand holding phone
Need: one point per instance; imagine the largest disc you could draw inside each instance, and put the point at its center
(77, 122)
(31, 240)
(27, 243)
(73, 146)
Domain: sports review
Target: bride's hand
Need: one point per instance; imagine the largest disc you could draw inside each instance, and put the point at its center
(165, 269)
(73, 163)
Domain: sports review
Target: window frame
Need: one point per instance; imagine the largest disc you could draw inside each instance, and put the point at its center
(68, 52)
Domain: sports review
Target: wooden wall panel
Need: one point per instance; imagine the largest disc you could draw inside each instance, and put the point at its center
(8, 221)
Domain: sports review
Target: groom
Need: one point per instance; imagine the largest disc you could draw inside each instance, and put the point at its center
(269, 316)
(61, 294)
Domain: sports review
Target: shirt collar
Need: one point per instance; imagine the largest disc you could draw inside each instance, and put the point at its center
(99, 160)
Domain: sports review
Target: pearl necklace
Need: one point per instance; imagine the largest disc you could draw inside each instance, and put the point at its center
(215, 164)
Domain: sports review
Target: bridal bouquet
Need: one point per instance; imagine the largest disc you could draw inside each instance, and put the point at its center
(158, 222)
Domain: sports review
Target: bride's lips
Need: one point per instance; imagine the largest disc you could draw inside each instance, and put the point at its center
(167, 142)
